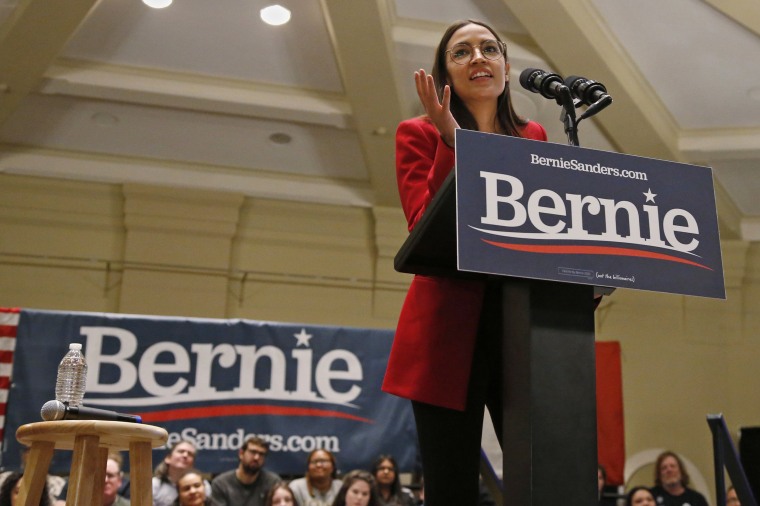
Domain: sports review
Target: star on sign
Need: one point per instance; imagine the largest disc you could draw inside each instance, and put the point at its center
(303, 338)
(649, 195)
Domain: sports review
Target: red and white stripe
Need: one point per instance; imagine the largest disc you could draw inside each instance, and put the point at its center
(8, 325)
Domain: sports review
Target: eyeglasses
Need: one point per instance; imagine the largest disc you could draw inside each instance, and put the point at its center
(462, 53)
(318, 462)
(386, 468)
(256, 453)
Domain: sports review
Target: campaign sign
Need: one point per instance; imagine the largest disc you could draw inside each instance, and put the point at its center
(555, 212)
(217, 382)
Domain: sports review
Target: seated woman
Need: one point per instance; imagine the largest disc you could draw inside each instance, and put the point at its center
(191, 489)
(10, 489)
(358, 489)
(178, 459)
(280, 495)
(319, 486)
(389, 490)
(639, 496)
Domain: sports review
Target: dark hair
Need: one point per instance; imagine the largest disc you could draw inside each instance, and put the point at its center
(277, 486)
(685, 480)
(396, 485)
(632, 492)
(330, 456)
(190, 470)
(255, 440)
(351, 478)
(505, 114)
(10, 483)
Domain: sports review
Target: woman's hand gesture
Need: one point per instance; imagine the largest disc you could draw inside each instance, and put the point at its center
(438, 112)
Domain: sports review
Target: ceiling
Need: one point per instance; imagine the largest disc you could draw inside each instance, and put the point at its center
(203, 94)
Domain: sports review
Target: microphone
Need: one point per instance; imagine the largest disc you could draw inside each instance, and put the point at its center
(539, 81)
(587, 91)
(56, 410)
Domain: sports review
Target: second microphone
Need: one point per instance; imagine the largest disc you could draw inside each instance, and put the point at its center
(56, 410)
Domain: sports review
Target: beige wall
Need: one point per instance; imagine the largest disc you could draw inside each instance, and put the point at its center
(136, 249)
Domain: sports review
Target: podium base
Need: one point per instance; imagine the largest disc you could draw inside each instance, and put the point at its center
(549, 443)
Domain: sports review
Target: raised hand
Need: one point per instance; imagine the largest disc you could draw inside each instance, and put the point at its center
(438, 112)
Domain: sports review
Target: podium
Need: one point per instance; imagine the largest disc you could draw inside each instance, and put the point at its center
(558, 244)
(549, 406)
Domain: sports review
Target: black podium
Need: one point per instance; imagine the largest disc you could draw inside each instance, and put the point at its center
(549, 432)
(552, 222)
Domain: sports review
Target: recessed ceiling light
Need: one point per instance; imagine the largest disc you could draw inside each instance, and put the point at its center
(280, 138)
(275, 15)
(157, 4)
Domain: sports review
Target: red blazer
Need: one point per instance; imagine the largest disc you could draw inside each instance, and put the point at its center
(432, 351)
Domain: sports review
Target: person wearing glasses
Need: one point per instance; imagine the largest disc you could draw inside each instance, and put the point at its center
(113, 481)
(114, 477)
(249, 483)
(319, 486)
(446, 354)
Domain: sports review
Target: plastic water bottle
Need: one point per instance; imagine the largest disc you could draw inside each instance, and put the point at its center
(72, 377)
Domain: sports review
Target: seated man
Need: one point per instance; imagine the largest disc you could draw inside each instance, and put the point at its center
(249, 483)
(671, 483)
(111, 487)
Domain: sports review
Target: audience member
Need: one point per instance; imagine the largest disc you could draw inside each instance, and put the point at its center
(54, 483)
(639, 496)
(249, 483)
(113, 482)
(601, 479)
(181, 457)
(484, 495)
(280, 495)
(191, 489)
(358, 489)
(671, 483)
(319, 486)
(389, 490)
(732, 499)
(114, 476)
(10, 489)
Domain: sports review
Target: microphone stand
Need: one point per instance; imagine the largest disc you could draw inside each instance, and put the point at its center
(596, 107)
(565, 99)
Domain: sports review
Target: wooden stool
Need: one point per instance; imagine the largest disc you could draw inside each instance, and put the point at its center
(91, 441)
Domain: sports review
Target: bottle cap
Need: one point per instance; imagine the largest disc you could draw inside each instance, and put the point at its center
(75, 346)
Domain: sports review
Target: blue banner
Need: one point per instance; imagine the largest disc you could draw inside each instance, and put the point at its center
(549, 211)
(216, 382)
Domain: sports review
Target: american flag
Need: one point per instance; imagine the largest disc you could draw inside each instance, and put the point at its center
(8, 325)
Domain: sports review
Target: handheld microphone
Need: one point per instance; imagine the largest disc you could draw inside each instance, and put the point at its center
(56, 410)
(587, 91)
(539, 81)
